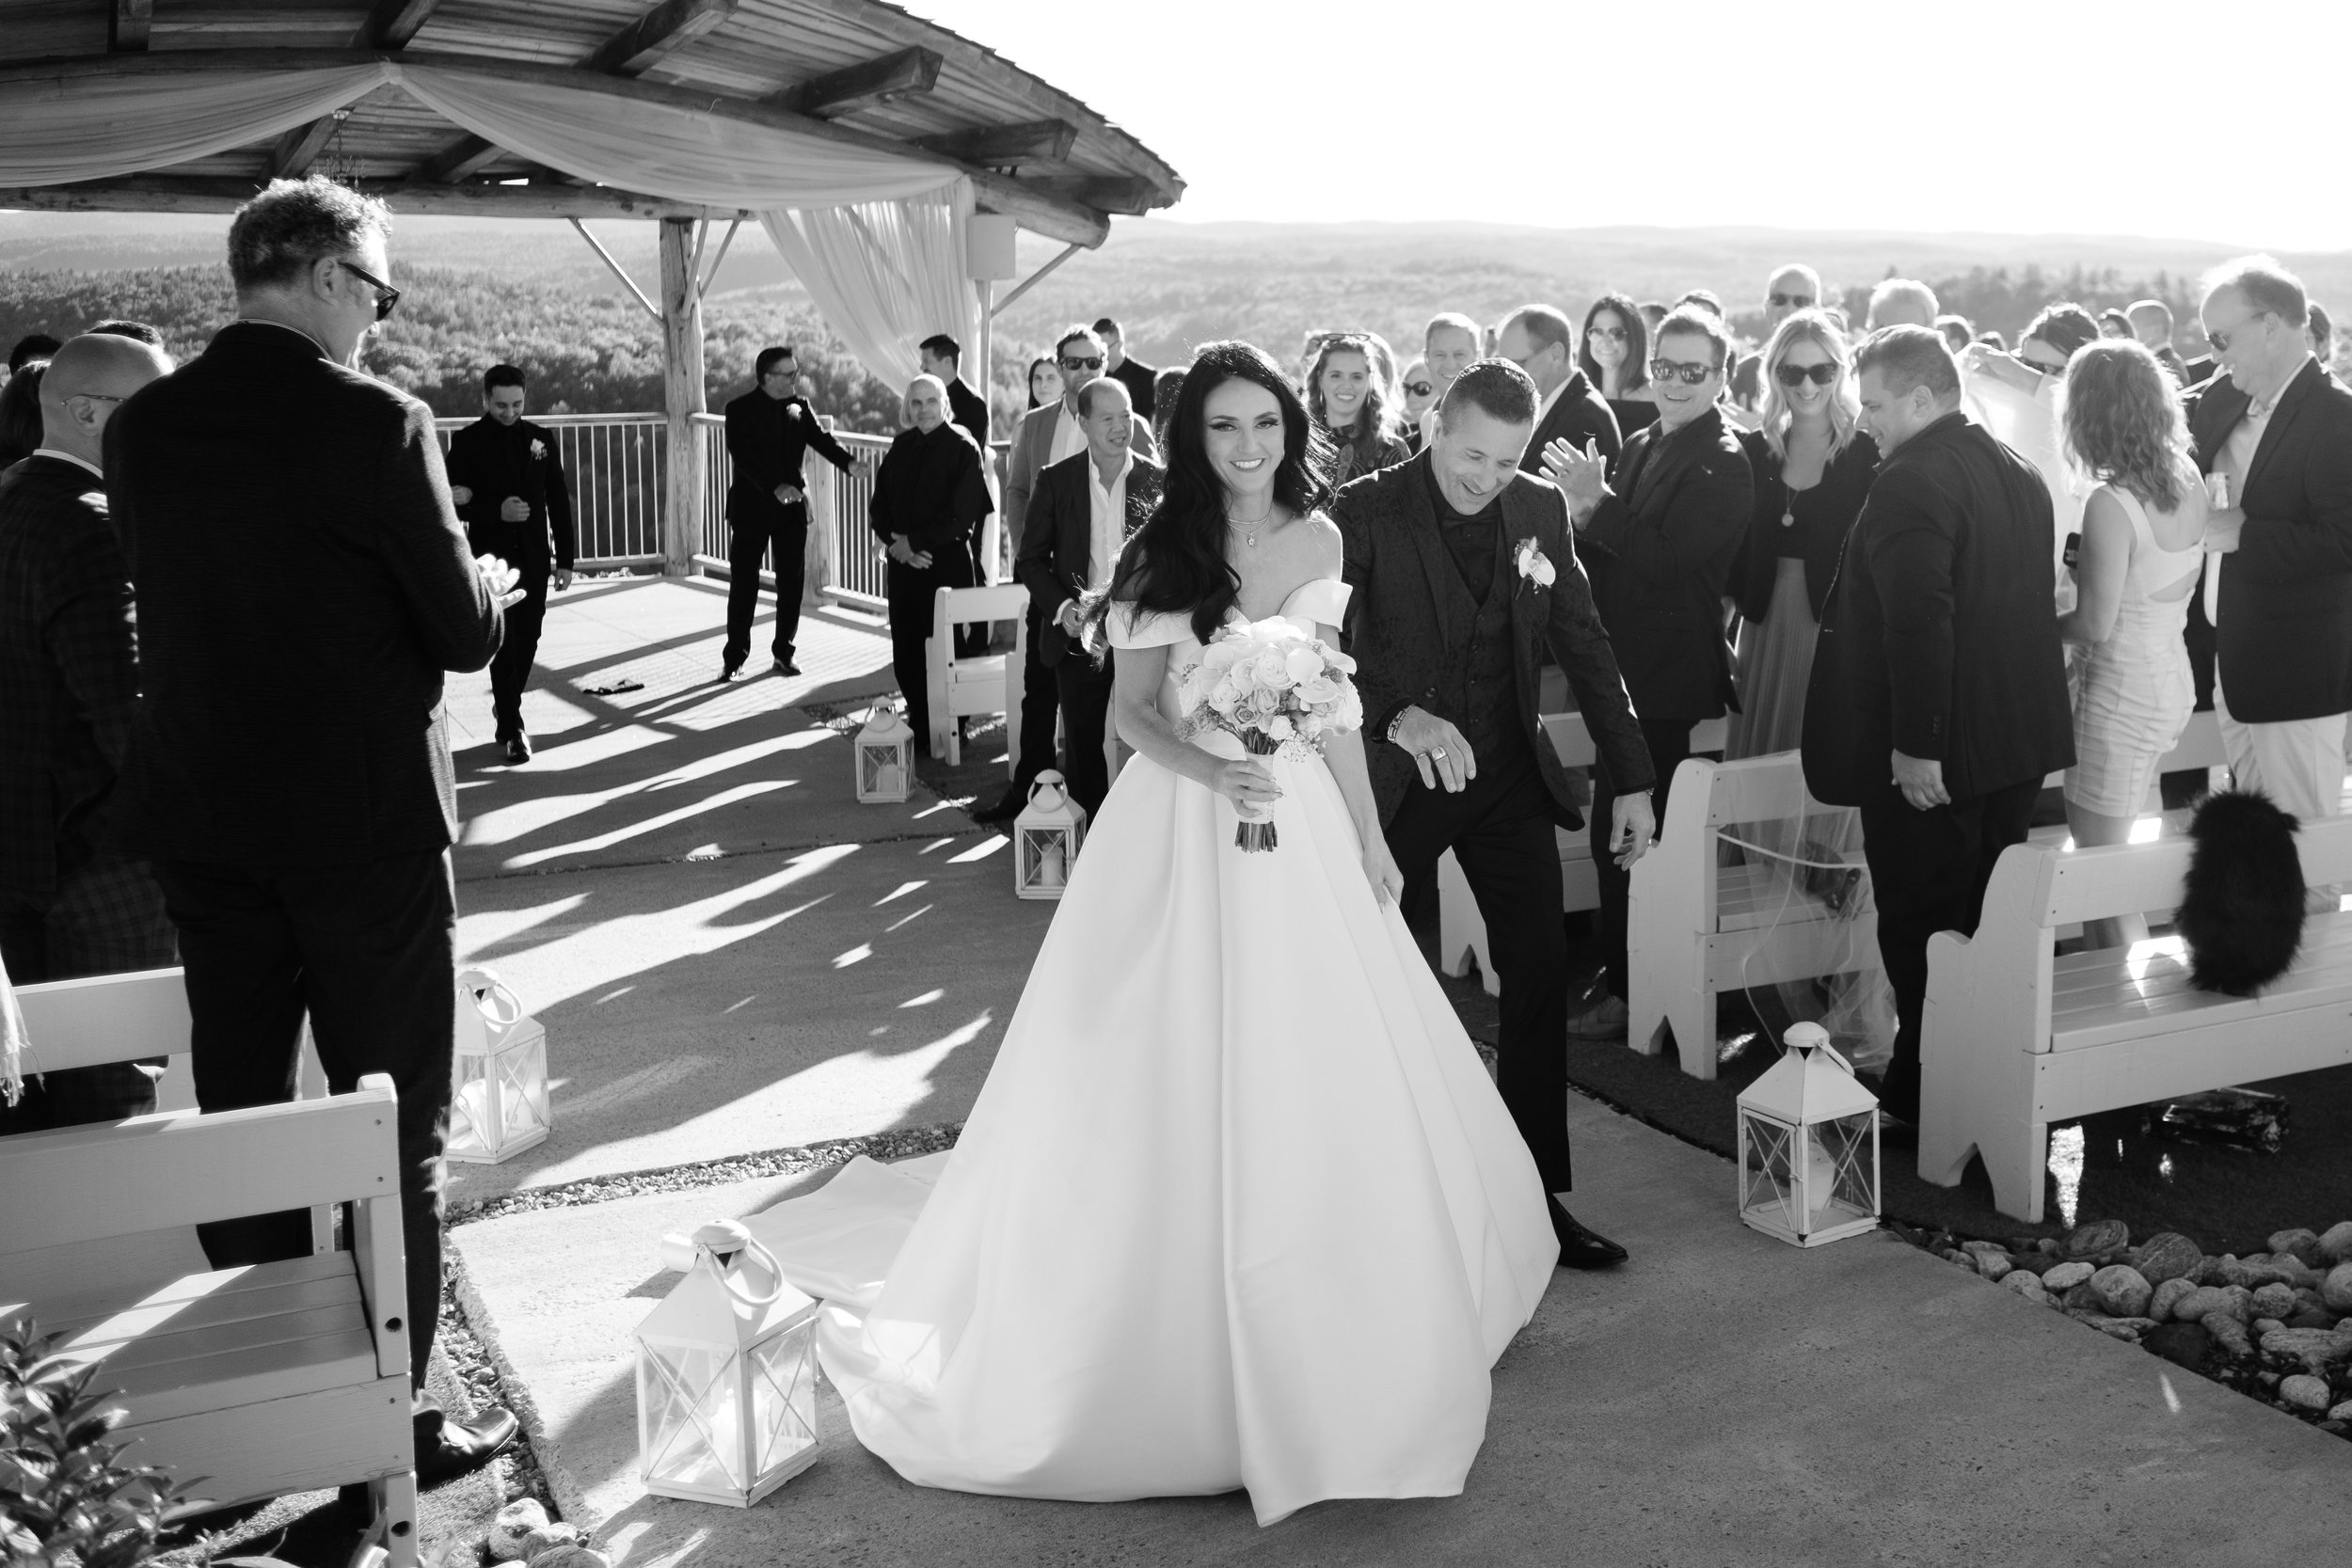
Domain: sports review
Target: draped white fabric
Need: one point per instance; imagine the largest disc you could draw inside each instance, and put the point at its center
(65, 129)
(885, 274)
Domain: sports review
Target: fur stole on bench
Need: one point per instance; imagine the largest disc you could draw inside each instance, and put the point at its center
(2241, 913)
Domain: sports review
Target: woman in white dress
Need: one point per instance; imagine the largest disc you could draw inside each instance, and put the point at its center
(1238, 1205)
(2143, 532)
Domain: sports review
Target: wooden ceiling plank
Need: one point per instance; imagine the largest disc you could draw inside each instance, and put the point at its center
(1032, 141)
(392, 22)
(458, 161)
(661, 32)
(226, 194)
(1133, 195)
(133, 19)
(299, 148)
(862, 85)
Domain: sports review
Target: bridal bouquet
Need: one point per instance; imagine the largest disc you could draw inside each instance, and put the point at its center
(1275, 689)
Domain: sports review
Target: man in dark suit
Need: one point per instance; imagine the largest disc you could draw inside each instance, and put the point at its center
(1938, 700)
(771, 430)
(303, 583)
(1080, 518)
(1660, 547)
(2278, 588)
(942, 357)
(1464, 577)
(69, 685)
(1542, 341)
(1140, 379)
(929, 500)
(507, 479)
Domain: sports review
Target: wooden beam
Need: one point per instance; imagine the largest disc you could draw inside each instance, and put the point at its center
(1038, 211)
(1113, 192)
(392, 22)
(998, 145)
(668, 27)
(682, 398)
(618, 271)
(149, 192)
(1033, 280)
(299, 148)
(862, 86)
(128, 25)
(459, 161)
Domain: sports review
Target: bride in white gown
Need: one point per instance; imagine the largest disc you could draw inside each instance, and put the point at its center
(1238, 1206)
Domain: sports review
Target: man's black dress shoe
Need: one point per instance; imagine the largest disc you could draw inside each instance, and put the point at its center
(1581, 1248)
(518, 749)
(1006, 807)
(786, 667)
(729, 672)
(460, 1448)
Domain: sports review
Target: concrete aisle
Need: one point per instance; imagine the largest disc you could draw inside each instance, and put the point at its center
(1725, 1399)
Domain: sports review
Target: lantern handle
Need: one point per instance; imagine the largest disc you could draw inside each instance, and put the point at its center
(499, 1005)
(729, 1236)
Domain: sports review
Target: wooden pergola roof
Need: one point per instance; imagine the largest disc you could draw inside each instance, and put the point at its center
(853, 71)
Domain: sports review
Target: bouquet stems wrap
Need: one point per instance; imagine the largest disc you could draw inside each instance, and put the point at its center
(1256, 837)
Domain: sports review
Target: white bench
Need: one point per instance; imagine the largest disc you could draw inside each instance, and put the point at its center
(251, 1382)
(1462, 930)
(990, 683)
(2015, 1038)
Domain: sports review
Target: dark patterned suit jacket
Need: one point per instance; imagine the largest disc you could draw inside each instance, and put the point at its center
(68, 668)
(1404, 630)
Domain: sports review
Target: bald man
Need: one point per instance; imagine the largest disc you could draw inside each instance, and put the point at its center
(1901, 302)
(1790, 289)
(930, 496)
(69, 685)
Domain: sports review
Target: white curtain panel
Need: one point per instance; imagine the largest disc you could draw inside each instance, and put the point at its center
(885, 274)
(58, 131)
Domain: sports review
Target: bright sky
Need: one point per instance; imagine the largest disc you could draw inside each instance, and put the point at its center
(2221, 119)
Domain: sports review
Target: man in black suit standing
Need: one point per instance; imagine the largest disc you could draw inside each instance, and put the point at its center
(929, 500)
(1660, 547)
(770, 431)
(943, 358)
(69, 685)
(1938, 700)
(2278, 588)
(1541, 342)
(507, 480)
(1139, 378)
(1464, 576)
(303, 583)
(1079, 520)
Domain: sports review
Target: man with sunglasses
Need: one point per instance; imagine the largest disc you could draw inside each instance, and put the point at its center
(1793, 288)
(1541, 340)
(303, 584)
(771, 430)
(2278, 586)
(1047, 436)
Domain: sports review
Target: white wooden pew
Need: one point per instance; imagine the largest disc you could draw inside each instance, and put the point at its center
(1462, 930)
(251, 1382)
(986, 683)
(2015, 1038)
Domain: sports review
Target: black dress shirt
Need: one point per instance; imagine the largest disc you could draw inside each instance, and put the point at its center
(1139, 378)
(931, 488)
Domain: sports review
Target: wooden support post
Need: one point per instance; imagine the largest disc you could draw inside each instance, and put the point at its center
(682, 396)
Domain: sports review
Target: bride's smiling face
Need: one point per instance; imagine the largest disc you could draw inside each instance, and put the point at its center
(1244, 437)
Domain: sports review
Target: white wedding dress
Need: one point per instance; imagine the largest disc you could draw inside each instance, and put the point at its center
(1237, 1207)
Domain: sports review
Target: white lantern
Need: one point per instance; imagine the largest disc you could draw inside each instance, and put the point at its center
(727, 1373)
(1045, 838)
(498, 1098)
(886, 759)
(1809, 1146)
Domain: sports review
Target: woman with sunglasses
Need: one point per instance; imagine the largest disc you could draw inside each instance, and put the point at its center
(1812, 470)
(1615, 355)
(1346, 396)
(1420, 389)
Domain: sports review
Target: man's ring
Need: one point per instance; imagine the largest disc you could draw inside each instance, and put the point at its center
(1437, 752)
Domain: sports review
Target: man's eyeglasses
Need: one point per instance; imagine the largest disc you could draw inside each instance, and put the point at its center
(1788, 302)
(1797, 375)
(97, 397)
(1675, 370)
(1616, 333)
(1420, 388)
(387, 297)
(1093, 363)
(2220, 341)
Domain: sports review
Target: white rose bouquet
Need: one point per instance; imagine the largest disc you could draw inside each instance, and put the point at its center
(1277, 690)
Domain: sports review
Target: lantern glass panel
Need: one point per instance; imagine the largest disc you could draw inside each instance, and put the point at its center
(1767, 1176)
(472, 1118)
(1045, 857)
(783, 1400)
(882, 769)
(1846, 1147)
(522, 1079)
(691, 1415)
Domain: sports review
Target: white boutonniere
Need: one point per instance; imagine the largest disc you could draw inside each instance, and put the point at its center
(538, 448)
(1535, 566)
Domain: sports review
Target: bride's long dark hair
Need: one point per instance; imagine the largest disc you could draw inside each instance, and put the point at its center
(1175, 563)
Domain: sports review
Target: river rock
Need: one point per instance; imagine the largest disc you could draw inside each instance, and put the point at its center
(2241, 1301)
(2169, 1256)
(2228, 1334)
(2080, 1298)
(2303, 1245)
(2125, 1328)
(2026, 1284)
(2312, 1317)
(2211, 1273)
(2305, 1392)
(2260, 1326)
(2276, 1301)
(2182, 1344)
(2065, 1276)
(2167, 1296)
(2203, 1303)
(2316, 1348)
(2292, 1272)
(2341, 1412)
(2095, 1240)
(2123, 1290)
(2336, 1288)
(2032, 1261)
(2335, 1243)
(1995, 1264)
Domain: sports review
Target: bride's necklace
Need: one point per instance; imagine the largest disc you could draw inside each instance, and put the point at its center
(1250, 539)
